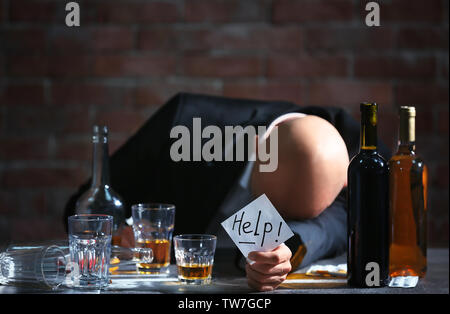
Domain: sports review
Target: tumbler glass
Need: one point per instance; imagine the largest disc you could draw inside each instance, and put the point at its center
(194, 254)
(90, 250)
(43, 267)
(153, 226)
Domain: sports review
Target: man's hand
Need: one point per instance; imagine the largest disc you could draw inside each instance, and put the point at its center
(269, 269)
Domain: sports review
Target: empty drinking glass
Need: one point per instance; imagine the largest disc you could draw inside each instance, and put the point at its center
(194, 254)
(43, 267)
(90, 250)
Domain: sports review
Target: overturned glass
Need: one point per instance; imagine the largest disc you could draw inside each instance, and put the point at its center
(48, 266)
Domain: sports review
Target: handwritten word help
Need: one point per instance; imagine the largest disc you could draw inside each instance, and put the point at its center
(257, 227)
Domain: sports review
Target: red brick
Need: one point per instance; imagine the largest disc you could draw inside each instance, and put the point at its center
(424, 121)
(121, 121)
(43, 177)
(70, 93)
(411, 11)
(70, 65)
(387, 126)
(225, 11)
(8, 203)
(349, 94)
(35, 11)
(27, 66)
(244, 38)
(134, 65)
(37, 229)
(284, 91)
(76, 120)
(23, 39)
(395, 67)
(287, 11)
(158, 12)
(222, 66)
(423, 38)
(48, 65)
(443, 122)
(47, 120)
(138, 12)
(158, 93)
(23, 94)
(24, 148)
(159, 38)
(350, 38)
(421, 94)
(306, 66)
(97, 39)
(80, 150)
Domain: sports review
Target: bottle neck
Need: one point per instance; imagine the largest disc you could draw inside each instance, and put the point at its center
(368, 137)
(100, 161)
(406, 148)
(407, 134)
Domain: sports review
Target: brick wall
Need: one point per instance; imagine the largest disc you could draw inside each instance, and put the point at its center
(129, 57)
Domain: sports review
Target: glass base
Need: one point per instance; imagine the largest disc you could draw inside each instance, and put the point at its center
(195, 281)
(161, 271)
(89, 284)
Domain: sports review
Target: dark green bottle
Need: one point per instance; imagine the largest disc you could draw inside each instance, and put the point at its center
(368, 209)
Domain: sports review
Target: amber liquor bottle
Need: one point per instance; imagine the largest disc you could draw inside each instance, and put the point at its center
(408, 203)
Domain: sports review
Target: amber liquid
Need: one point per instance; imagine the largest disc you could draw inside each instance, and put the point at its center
(195, 271)
(161, 253)
(408, 209)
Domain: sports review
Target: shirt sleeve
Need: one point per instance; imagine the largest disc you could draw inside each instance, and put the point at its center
(320, 237)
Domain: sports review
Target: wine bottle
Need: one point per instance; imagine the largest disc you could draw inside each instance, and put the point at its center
(368, 208)
(408, 203)
(100, 198)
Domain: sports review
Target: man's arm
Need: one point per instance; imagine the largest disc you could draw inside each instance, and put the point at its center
(320, 237)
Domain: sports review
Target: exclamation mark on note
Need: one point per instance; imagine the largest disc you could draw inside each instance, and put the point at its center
(279, 230)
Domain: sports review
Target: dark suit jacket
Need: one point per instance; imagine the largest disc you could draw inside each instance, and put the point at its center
(143, 171)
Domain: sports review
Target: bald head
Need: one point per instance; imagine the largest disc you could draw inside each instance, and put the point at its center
(312, 168)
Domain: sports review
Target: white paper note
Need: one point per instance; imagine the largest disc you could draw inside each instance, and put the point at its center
(257, 227)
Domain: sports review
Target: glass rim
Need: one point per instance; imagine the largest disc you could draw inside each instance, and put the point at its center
(195, 237)
(90, 217)
(152, 206)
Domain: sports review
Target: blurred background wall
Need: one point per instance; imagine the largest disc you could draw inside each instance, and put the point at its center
(129, 57)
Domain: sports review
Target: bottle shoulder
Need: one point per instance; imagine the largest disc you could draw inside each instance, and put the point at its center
(406, 160)
(368, 159)
(100, 197)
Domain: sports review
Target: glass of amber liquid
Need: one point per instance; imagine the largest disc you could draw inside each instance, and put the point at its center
(153, 228)
(194, 254)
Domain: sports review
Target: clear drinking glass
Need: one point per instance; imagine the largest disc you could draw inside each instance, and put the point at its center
(153, 228)
(43, 267)
(194, 254)
(90, 250)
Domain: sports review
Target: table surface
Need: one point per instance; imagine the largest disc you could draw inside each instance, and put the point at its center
(230, 280)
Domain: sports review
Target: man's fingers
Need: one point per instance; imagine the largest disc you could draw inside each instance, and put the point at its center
(264, 278)
(271, 269)
(279, 255)
(261, 282)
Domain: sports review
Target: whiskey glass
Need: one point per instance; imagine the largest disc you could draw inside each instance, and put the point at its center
(194, 255)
